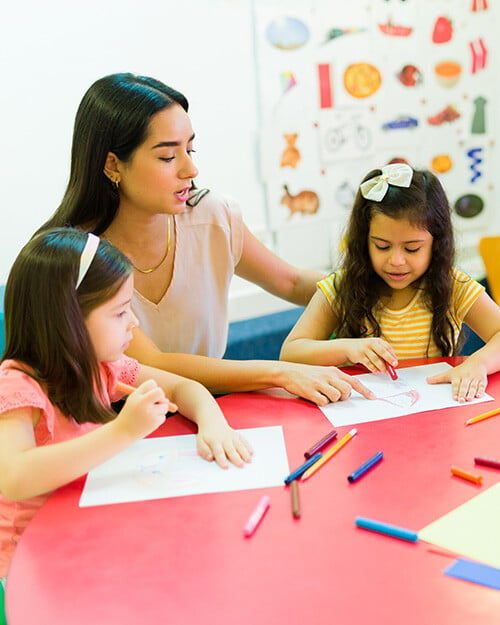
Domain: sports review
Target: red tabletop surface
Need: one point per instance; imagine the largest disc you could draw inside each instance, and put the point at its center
(185, 561)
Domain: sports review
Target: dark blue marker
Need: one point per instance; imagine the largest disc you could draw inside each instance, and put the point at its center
(366, 466)
(303, 467)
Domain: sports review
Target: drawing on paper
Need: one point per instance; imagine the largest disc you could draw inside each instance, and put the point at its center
(404, 400)
(410, 394)
(156, 468)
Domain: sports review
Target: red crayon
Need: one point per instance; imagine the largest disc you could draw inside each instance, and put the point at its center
(487, 462)
(391, 371)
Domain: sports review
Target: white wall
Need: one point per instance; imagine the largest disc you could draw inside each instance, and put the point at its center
(50, 53)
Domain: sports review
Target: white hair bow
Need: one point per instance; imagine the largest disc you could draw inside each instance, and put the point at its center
(396, 174)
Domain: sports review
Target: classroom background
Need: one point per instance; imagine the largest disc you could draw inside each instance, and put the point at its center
(292, 101)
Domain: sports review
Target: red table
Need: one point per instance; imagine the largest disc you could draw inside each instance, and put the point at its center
(184, 561)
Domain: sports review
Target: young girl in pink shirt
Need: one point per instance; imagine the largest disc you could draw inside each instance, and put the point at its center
(68, 321)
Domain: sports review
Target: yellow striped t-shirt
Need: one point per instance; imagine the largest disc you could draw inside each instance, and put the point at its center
(408, 330)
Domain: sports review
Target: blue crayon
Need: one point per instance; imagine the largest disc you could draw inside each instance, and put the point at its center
(366, 466)
(386, 528)
(298, 472)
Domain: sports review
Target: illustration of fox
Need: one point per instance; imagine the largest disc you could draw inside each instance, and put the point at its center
(305, 202)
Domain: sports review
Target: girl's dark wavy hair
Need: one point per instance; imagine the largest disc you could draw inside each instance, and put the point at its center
(45, 316)
(113, 116)
(425, 205)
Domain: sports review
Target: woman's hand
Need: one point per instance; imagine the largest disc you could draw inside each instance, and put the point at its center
(319, 384)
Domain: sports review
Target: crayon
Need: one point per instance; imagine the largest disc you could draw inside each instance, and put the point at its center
(387, 528)
(487, 462)
(472, 477)
(303, 467)
(329, 454)
(294, 489)
(391, 371)
(127, 389)
(320, 444)
(257, 515)
(366, 466)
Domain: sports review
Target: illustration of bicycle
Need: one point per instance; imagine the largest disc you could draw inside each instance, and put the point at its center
(350, 131)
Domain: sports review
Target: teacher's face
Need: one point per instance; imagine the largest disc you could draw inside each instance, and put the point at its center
(158, 177)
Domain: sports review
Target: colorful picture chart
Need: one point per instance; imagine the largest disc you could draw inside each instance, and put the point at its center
(471, 529)
(155, 468)
(409, 394)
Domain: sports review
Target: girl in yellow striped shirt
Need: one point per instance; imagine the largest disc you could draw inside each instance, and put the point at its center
(398, 294)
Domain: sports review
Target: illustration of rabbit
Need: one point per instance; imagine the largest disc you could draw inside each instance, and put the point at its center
(305, 202)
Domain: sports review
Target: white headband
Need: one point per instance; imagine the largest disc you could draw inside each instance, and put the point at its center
(87, 257)
(395, 174)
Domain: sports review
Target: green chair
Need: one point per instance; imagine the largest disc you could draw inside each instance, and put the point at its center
(3, 619)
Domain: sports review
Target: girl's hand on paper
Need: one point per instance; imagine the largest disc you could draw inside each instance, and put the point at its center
(468, 380)
(144, 410)
(217, 441)
(373, 353)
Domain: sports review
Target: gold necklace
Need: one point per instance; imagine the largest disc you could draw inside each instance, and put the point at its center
(146, 271)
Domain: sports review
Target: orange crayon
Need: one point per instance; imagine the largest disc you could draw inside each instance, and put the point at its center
(127, 389)
(472, 477)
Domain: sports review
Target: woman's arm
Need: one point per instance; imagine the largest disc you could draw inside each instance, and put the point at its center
(317, 384)
(262, 267)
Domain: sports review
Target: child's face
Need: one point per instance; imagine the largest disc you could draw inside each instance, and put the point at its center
(110, 325)
(158, 177)
(399, 251)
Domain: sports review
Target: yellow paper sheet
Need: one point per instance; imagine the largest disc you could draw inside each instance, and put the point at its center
(472, 529)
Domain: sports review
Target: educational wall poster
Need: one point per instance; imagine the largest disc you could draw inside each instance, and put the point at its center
(346, 87)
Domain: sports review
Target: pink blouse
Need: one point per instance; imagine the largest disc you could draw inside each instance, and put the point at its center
(18, 390)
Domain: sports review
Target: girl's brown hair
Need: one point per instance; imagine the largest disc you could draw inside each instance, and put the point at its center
(45, 317)
(425, 205)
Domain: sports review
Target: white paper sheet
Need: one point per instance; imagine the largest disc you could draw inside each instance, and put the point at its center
(409, 394)
(156, 468)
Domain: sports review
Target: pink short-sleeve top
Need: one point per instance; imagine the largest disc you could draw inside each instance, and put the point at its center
(19, 390)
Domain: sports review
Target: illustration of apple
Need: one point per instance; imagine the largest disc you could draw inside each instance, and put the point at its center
(410, 76)
(443, 30)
